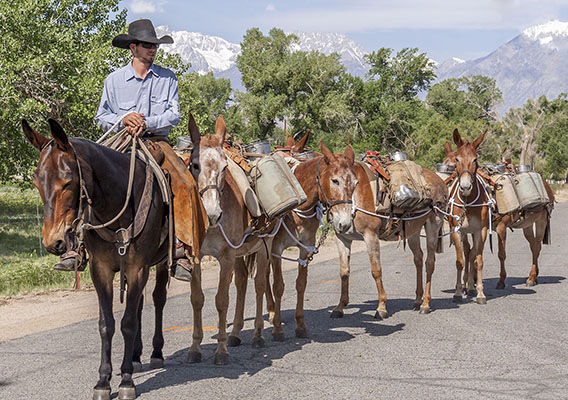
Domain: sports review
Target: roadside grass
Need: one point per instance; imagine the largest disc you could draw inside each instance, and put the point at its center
(25, 266)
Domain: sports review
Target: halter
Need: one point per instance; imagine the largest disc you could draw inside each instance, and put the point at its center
(327, 203)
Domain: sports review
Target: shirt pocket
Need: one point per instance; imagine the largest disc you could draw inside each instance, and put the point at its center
(127, 106)
(158, 105)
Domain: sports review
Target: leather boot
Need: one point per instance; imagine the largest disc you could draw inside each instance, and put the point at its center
(181, 269)
(69, 260)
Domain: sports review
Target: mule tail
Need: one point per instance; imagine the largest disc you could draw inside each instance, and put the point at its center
(250, 265)
(546, 238)
(439, 246)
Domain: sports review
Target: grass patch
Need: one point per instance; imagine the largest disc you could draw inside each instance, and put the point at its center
(25, 266)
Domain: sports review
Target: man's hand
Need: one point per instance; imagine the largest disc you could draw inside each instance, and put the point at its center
(134, 123)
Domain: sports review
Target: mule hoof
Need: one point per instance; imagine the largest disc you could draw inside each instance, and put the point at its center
(458, 299)
(336, 314)
(234, 341)
(416, 306)
(101, 394)
(221, 359)
(137, 366)
(278, 337)
(194, 357)
(481, 300)
(425, 310)
(258, 342)
(156, 363)
(126, 393)
(380, 315)
(302, 333)
(500, 285)
(531, 283)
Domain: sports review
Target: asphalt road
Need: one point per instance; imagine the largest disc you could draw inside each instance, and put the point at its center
(514, 347)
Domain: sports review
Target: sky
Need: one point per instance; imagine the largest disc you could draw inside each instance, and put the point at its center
(465, 29)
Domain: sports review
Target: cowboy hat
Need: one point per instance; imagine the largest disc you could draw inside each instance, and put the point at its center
(140, 31)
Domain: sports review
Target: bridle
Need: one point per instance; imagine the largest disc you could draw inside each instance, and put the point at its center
(328, 204)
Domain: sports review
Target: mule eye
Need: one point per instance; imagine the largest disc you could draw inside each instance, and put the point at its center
(335, 182)
(457, 160)
(195, 166)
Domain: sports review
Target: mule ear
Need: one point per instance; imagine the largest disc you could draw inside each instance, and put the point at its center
(478, 141)
(299, 146)
(448, 148)
(327, 154)
(193, 131)
(290, 142)
(35, 138)
(457, 138)
(220, 130)
(350, 154)
(58, 134)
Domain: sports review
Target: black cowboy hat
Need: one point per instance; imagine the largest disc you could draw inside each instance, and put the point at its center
(140, 31)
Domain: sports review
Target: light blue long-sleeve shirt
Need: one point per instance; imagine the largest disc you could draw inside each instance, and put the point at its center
(155, 96)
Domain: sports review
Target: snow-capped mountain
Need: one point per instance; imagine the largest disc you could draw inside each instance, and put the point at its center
(211, 53)
(530, 65)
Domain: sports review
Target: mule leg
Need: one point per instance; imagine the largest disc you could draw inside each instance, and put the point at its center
(456, 239)
(241, 278)
(374, 251)
(502, 239)
(129, 327)
(138, 346)
(344, 249)
(159, 295)
(301, 284)
(197, 301)
(102, 279)
(262, 259)
(478, 244)
(535, 242)
(269, 296)
(277, 331)
(414, 244)
(469, 270)
(226, 261)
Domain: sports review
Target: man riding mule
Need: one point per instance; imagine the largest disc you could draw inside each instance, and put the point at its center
(142, 98)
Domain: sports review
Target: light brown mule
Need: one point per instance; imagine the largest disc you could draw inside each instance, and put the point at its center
(226, 212)
(328, 180)
(469, 205)
(371, 228)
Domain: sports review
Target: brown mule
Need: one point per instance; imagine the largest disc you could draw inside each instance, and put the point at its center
(73, 173)
(535, 224)
(469, 205)
(328, 181)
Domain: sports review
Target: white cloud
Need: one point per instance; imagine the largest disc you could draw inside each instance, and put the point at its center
(146, 6)
(372, 15)
(270, 7)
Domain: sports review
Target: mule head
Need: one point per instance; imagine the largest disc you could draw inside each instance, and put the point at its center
(338, 182)
(57, 180)
(465, 161)
(209, 166)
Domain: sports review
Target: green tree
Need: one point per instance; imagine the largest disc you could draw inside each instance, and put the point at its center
(552, 143)
(388, 99)
(54, 57)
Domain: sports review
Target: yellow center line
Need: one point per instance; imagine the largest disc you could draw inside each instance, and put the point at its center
(205, 329)
(170, 329)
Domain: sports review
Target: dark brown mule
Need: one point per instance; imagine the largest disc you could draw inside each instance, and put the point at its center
(228, 222)
(69, 169)
(470, 206)
(328, 181)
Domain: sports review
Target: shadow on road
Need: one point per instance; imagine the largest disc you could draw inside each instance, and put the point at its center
(245, 360)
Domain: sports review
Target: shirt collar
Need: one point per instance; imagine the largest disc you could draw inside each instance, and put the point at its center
(129, 72)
